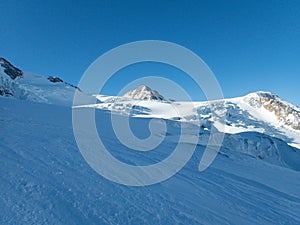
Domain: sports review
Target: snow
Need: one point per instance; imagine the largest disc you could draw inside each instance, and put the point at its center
(292, 136)
(44, 178)
(241, 116)
(37, 88)
(144, 93)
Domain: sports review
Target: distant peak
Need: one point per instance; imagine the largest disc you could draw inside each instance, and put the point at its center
(143, 88)
(285, 112)
(144, 92)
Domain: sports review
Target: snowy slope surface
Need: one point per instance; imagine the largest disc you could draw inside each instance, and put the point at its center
(46, 181)
(17, 84)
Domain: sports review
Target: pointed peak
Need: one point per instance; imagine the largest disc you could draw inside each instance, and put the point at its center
(144, 87)
(144, 92)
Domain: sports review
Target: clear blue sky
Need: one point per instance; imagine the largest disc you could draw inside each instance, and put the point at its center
(249, 45)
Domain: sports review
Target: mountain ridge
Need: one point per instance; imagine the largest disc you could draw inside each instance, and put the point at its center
(262, 105)
(44, 178)
(15, 83)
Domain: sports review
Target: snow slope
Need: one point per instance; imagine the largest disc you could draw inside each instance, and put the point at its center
(237, 114)
(33, 87)
(44, 179)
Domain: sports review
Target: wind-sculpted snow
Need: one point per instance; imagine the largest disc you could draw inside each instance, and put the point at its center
(45, 180)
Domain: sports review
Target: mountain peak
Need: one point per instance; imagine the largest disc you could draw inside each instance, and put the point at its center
(144, 88)
(144, 92)
(285, 112)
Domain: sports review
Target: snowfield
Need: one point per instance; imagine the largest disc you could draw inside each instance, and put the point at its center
(236, 114)
(44, 179)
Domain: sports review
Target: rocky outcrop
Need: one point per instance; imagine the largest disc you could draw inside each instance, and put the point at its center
(33, 87)
(54, 79)
(12, 71)
(286, 113)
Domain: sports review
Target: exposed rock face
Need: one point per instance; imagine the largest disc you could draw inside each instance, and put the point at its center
(54, 79)
(286, 113)
(10, 70)
(144, 93)
(5, 92)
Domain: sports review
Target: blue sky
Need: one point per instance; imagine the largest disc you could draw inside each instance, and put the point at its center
(249, 45)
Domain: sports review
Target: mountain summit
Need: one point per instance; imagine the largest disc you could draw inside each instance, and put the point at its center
(144, 93)
(285, 112)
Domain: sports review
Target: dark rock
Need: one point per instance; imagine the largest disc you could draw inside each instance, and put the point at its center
(73, 86)
(55, 79)
(5, 92)
(12, 71)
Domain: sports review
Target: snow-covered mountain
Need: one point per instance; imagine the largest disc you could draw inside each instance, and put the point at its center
(261, 112)
(251, 129)
(144, 93)
(44, 179)
(285, 112)
(17, 84)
